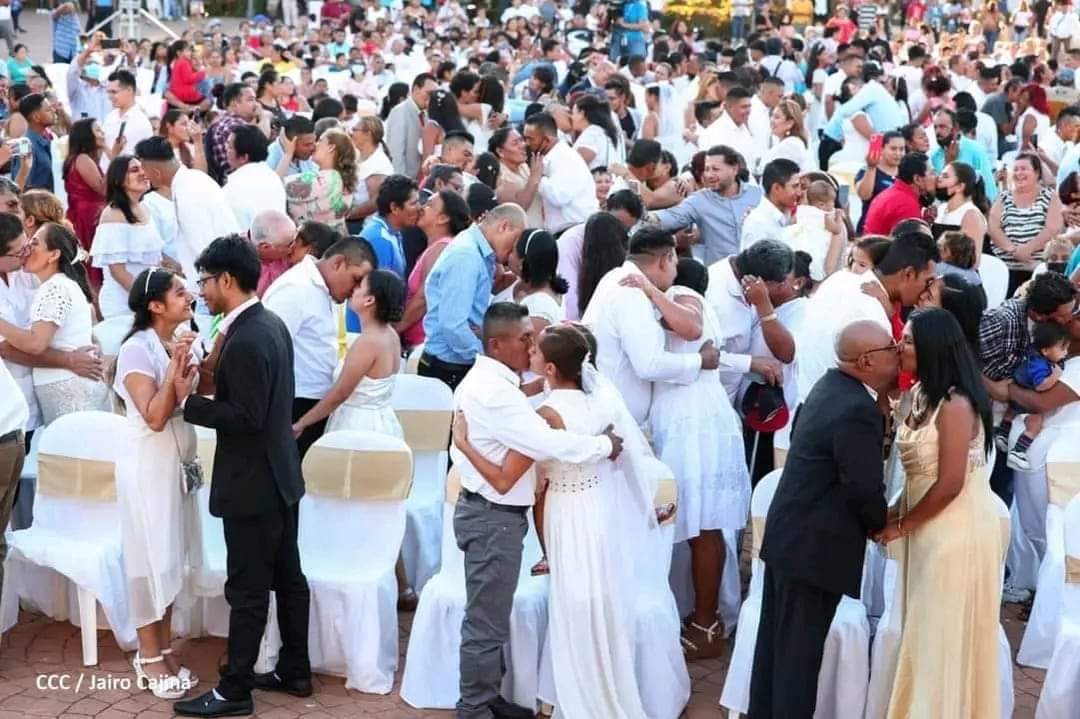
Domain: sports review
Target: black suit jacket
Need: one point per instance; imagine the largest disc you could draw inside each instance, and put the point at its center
(256, 460)
(831, 495)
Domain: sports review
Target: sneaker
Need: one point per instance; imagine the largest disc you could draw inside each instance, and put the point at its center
(1014, 595)
(1018, 459)
(1001, 440)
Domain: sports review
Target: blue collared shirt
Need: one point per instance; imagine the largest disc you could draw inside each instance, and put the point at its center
(387, 245)
(274, 154)
(880, 106)
(970, 153)
(41, 175)
(458, 291)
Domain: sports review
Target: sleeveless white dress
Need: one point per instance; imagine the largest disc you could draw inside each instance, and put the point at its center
(159, 526)
(368, 408)
(592, 656)
(698, 435)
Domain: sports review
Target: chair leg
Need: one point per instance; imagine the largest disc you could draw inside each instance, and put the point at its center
(88, 624)
(732, 714)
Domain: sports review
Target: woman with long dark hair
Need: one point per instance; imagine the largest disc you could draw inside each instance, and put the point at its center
(185, 136)
(443, 117)
(540, 289)
(127, 241)
(519, 178)
(598, 141)
(947, 520)
(61, 318)
(965, 206)
(156, 516)
(603, 249)
(395, 94)
(84, 182)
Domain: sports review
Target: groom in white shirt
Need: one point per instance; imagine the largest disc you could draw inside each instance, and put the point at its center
(490, 526)
(631, 348)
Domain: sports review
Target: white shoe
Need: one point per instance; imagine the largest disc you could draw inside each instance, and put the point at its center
(1018, 460)
(1014, 595)
(162, 686)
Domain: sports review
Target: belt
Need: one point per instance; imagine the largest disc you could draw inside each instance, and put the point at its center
(436, 362)
(474, 498)
(13, 436)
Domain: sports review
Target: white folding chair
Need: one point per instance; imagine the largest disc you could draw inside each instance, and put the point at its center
(1063, 483)
(413, 362)
(109, 334)
(843, 679)
(75, 537)
(995, 279)
(425, 408)
(352, 522)
(432, 676)
(1060, 697)
(58, 151)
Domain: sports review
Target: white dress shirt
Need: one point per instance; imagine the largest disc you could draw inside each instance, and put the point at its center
(501, 419)
(202, 215)
(567, 188)
(837, 302)
(302, 300)
(13, 410)
(736, 321)
(251, 189)
(764, 222)
(759, 123)
(136, 128)
(235, 312)
(631, 342)
(724, 131)
(16, 297)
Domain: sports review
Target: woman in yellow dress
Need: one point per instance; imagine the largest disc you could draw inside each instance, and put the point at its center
(948, 660)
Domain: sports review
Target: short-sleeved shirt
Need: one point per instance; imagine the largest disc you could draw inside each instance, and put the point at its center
(62, 302)
(1033, 370)
(1069, 413)
(635, 12)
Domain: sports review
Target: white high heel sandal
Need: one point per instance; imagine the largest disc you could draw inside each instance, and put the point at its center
(185, 674)
(164, 686)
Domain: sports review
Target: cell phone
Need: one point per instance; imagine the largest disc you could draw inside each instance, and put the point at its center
(19, 146)
(877, 143)
(110, 44)
(123, 126)
(1035, 141)
(842, 196)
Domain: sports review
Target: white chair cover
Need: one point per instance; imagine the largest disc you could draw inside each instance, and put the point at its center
(413, 362)
(423, 404)
(1063, 480)
(58, 150)
(995, 279)
(144, 82)
(432, 677)
(843, 679)
(76, 531)
(110, 333)
(1060, 698)
(152, 105)
(349, 546)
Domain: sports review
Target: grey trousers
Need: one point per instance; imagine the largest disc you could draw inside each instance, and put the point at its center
(7, 32)
(12, 455)
(491, 540)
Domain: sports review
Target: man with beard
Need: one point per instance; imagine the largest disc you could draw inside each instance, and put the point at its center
(914, 187)
(952, 147)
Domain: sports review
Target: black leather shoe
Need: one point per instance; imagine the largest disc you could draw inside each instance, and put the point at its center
(503, 709)
(209, 705)
(270, 682)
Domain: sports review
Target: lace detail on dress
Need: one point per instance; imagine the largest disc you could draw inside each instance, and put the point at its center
(52, 303)
(570, 478)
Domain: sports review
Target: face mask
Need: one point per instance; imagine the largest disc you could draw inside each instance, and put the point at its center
(942, 194)
(1058, 267)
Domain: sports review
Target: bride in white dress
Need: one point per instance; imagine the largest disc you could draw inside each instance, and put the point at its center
(158, 519)
(589, 632)
(360, 396)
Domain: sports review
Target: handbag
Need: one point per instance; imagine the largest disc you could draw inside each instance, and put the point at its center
(191, 473)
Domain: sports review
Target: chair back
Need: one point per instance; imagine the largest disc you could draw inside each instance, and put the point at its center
(1062, 472)
(995, 279)
(76, 472)
(452, 558)
(759, 508)
(58, 152)
(357, 483)
(110, 334)
(1070, 604)
(425, 408)
(412, 364)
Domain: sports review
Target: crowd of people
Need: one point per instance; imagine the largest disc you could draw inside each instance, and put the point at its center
(818, 237)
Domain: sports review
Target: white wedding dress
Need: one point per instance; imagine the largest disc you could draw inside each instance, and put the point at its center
(589, 634)
(368, 408)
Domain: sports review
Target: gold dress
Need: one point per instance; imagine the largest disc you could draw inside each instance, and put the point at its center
(948, 662)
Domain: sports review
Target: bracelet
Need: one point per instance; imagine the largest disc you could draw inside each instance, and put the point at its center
(771, 317)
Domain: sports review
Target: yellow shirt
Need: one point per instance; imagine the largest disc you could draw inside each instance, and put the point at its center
(802, 12)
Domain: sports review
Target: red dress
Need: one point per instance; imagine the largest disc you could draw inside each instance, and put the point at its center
(84, 211)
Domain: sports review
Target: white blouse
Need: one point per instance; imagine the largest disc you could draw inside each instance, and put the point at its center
(61, 301)
(377, 164)
(790, 148)
(137, 247)
(605, 152)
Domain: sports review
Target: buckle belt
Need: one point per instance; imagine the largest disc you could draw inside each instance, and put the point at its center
(474, 498)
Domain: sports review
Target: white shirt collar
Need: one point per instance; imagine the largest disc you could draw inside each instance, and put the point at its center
(487, 364)
(871, 390)
(236, 312)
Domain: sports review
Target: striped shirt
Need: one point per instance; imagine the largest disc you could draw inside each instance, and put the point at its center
(66, 35)
(866, 15)
(1023, 224)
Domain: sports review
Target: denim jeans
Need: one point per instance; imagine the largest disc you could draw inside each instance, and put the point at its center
(738, 27)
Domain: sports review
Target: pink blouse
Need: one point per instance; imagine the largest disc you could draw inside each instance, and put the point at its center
(414, 335)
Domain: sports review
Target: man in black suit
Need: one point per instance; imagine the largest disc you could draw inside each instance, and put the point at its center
(830, 499)
(257, 483)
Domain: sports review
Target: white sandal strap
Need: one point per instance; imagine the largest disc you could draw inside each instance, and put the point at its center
(166, 652)
(709, 631)
(148, 660)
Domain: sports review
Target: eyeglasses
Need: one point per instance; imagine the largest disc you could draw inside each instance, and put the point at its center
(891, 347)
(201, 282)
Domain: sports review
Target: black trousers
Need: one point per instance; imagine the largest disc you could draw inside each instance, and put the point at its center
(826, 149)
(300, 406)
(262, 556)
(448, 373)
(795, 619)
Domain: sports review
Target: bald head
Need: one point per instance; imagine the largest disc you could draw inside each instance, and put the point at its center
(860, 337)
(866, 351)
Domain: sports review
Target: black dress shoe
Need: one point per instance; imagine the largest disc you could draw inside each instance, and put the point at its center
(270, 682)
(208, 705)
(503, 709)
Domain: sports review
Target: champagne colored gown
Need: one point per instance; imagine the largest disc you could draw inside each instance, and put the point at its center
(948, 661)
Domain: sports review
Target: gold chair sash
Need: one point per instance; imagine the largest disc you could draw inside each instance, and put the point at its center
(90, 479)
(426, 430)
(453, 485)
(757, 534)
(1072, 569)
(1063, 482)
(667, 492)
(375, 475)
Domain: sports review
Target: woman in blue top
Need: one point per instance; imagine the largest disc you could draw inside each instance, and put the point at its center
(628, 32)
(18, 64)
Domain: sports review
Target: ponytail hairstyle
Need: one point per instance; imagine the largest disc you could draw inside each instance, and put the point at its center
(58, 237)
(539, 255)
(974, 189)
(115, 194)
(152, 285)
